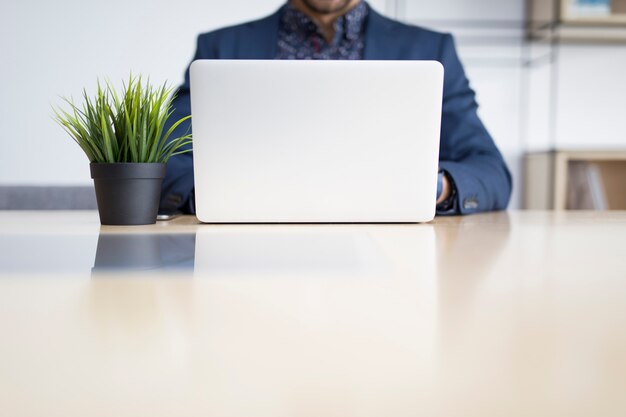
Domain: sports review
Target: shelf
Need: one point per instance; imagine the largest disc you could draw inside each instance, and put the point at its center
(552, 20)
(612, 20)
(575, 179)
(578, 33)
(616, 14)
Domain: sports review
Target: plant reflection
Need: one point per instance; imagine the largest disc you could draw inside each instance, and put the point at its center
(150, 252)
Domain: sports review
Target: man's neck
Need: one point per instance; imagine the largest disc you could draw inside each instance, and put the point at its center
(325, 21)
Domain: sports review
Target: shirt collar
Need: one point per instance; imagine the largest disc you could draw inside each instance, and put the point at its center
(350, 25)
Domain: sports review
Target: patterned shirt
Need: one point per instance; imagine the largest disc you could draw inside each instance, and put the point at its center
(300, 38)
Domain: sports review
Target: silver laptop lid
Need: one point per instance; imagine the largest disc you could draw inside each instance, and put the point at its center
(315, 141)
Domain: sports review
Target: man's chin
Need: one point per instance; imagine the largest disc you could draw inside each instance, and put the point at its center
(326, 6)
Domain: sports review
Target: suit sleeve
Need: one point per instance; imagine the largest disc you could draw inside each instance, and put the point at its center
(467, 152)
(177, 192)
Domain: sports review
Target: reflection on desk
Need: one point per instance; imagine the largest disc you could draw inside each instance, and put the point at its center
(211, 251)
(490, 315)
(127, 253)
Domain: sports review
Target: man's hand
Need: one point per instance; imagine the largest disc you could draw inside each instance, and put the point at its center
(446, 190)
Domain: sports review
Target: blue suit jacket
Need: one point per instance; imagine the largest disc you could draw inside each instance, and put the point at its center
(467, 152)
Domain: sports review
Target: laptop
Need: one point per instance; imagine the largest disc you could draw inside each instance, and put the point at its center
(280, 141)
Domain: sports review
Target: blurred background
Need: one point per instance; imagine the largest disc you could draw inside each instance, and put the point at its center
(549, 77)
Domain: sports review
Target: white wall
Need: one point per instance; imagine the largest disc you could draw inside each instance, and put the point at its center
(591, 106)
(58, 47)
(462, 9)
(587, 106)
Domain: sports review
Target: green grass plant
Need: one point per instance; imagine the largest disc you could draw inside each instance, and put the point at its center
(127, 127)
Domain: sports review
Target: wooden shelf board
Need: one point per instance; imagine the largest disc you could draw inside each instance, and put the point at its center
(614, 20)
(582, 154)
(576, 33)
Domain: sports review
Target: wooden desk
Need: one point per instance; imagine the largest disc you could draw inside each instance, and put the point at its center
(504, 314)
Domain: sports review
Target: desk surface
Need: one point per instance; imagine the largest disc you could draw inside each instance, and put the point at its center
(504, 314)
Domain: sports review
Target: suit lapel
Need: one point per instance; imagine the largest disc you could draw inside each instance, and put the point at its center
(261, 38)
(380, 42)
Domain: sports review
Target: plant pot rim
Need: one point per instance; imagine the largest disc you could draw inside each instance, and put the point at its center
(127, 170)
(126, 163)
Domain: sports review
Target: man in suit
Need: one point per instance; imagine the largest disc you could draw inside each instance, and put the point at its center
(473, 177)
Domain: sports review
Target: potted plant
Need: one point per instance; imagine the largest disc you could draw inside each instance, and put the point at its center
(124, 137)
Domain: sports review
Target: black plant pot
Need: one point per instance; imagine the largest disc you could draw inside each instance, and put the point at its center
(128, 193)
